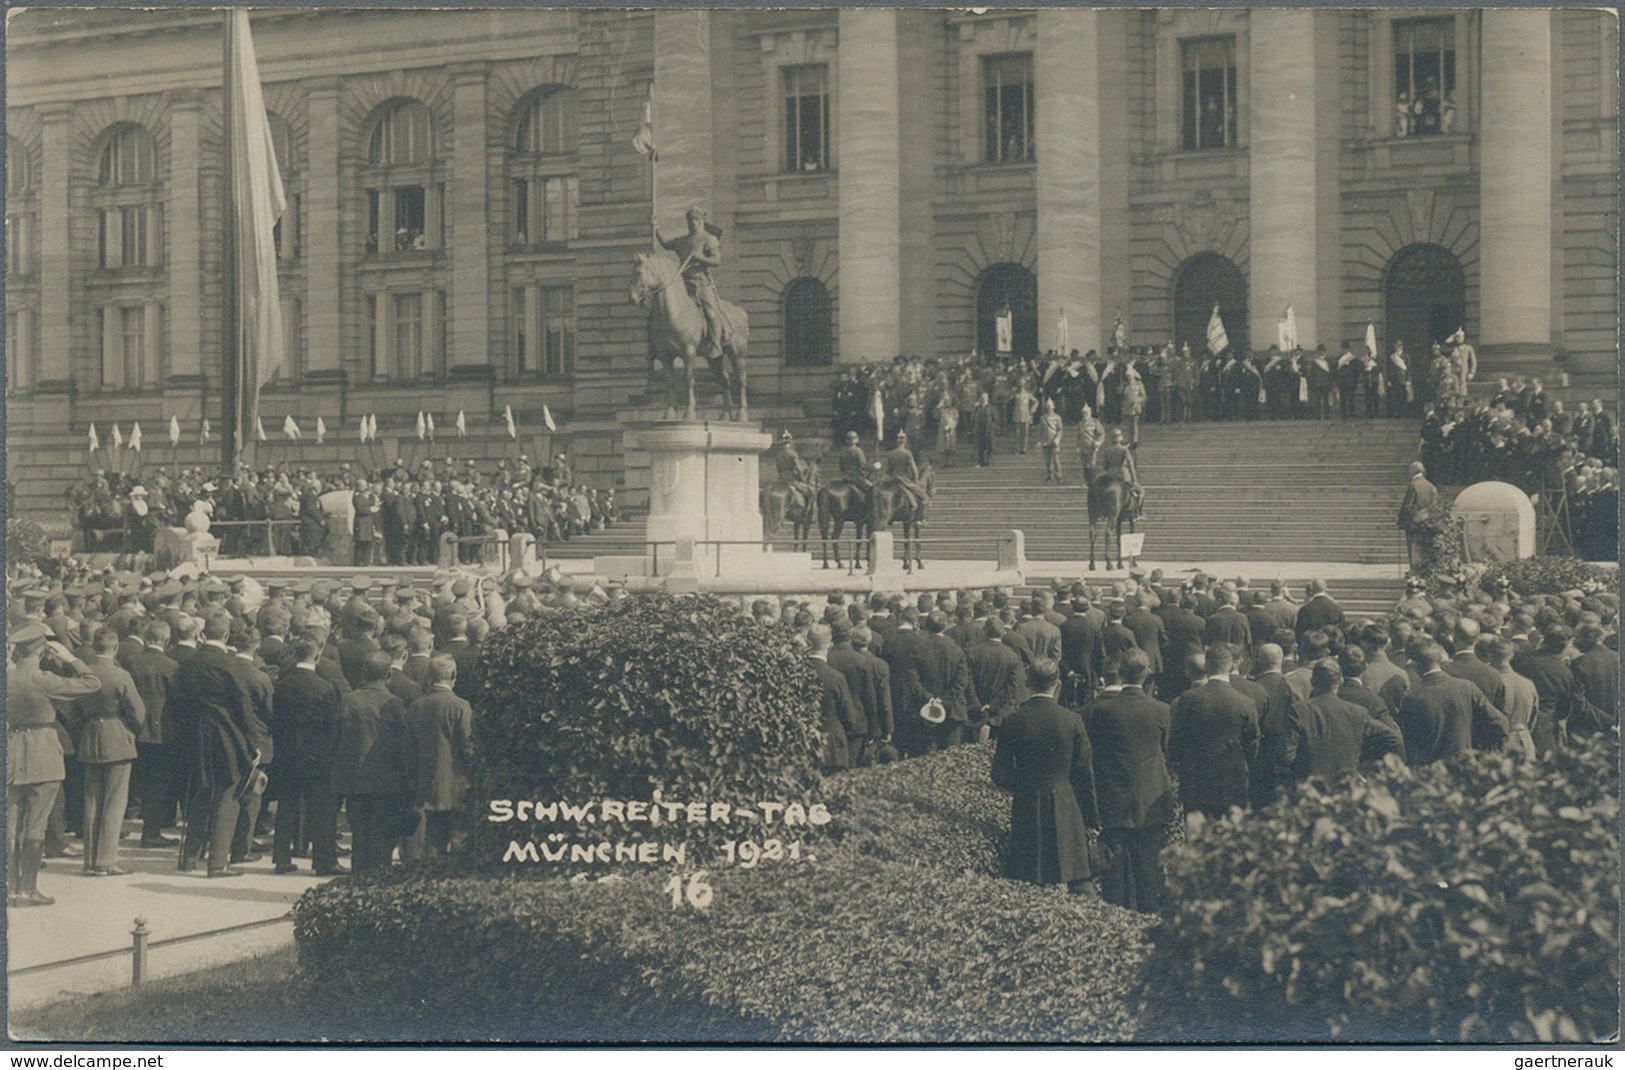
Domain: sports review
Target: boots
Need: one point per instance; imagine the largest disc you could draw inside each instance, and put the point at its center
(28, 894)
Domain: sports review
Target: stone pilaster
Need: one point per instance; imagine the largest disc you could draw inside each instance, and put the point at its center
(869, 192)
(1070, 272)
(185, 241)
(469, 209)
(55, 255)
(321, 249)
(1284, 174)
(685, 175)
(1515, 184)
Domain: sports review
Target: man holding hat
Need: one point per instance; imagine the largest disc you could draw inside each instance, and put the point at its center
(34, 768)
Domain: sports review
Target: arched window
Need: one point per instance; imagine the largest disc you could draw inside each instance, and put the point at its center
(1012, 289)
(403, 134)
(543, 190)
(1205, 280)
(808, 325)
(1424, 297)
(19, 176)
(127, 158)
(546, 122)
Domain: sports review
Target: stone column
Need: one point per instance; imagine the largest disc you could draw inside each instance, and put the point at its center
(322, 252)
(185, 244)
(869, 187)
(685, 173)
(55, 248)
(1068, 145)
(469, 210)
(1515, 184)
(1282, 164)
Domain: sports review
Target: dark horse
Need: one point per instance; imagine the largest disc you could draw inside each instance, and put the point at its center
(778, 506)
(839, 503)
(1109, 502)
(676, 329)
(891, 504)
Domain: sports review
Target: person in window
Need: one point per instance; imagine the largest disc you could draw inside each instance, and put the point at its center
(1402, 115)
(1447, 114)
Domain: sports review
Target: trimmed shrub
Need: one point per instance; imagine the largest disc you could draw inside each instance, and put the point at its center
(654, 693)
(893, 931)
(26, 542)
(1552, 575)
(1462, 903)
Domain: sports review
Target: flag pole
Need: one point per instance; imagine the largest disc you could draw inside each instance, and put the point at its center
(232, 432)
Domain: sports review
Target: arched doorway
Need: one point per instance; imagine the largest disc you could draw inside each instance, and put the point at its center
(1205, 280)
(1424, 297)
(1012, 286)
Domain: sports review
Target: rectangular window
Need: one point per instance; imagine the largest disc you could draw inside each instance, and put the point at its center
(20, 244)
(288, 225)
(1007, 86)
(1209, 93)
(545, 210)
(558, 331)
(20, 349)
(135, 235)
(806, 118)
(375, 341)
(411, 218)
(133, 345)
(293, 341)
(408, 336)
(1424, 77)
(517, 309)
(442, 332)
(375, 212)
(122, 241)
(521, 211)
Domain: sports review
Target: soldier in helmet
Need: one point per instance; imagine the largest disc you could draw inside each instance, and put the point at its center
(1116, 459)
(794, 472)
(854, 465)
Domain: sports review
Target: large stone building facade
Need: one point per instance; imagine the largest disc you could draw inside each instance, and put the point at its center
(465, 198)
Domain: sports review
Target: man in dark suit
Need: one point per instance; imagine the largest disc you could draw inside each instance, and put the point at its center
(965, 631)
(442, 727)
(1464, 664)
(397, 682)
(944, 674)
(842, 720)
(306, 732)
(373, 766)
(1213, 739)
(1042, 637)
(997, 673)
(1596, 677)
(1319, 612)
(1115, 639)
(1554, 682)
(1080, 649)
(1128, 732)
(1444, 717)
(367, 506)
(390, 521)
(882, 719)
(213, 714)
(353, 649)
(1265, 778)
(153, 777)
(1351, 662)
(1227, 625)
(1183, 649)
(1150, 634)
(1044, 760)
(868, 680)
(902, 652)
(1328, 737)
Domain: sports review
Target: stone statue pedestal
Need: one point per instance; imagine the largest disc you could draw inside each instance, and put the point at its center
(703, 484)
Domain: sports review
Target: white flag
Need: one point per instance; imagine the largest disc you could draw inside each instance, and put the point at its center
(289, 427)
(363, 431)
(203, 433)
(259, 429)
(372, 428)
(877, 409)
(507, 415)
(421, 430)
(135, 437)
(430, 419)
(1217, 340)
(547, 417)
(1292, 327)
(1063, 335)
(118, 437)
(644, 139)
(174, 431)
(462, 425)
(95, 440)
(321, 430)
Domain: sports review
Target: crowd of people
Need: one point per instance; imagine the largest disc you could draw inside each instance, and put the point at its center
(399, 511)
(249, 712)
(1116, 709)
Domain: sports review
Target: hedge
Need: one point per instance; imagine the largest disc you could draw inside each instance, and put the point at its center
(899, 931)
(1474, 902)
(1551, 575)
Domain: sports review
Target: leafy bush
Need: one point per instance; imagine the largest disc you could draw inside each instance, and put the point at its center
(682, 696)
(895, 931)
(1474, 902)
(26, 541)
(1552, 575)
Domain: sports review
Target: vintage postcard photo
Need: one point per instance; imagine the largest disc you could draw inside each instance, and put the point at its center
(842, 526)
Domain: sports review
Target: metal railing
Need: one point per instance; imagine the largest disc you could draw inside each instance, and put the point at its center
(269, 525)
(140, 944)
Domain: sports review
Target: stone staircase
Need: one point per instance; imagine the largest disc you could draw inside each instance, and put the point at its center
(1289, 491)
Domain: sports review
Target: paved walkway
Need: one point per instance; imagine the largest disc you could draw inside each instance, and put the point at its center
(95, 914)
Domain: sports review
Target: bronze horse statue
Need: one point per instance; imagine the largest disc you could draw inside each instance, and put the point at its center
(1109, 501)
(677, 329)
(779, 505)
(839, 503)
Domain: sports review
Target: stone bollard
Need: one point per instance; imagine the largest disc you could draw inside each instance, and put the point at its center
(522, 551)
(1013, 551)
(683, 575)
(882, 551)
(448, 550)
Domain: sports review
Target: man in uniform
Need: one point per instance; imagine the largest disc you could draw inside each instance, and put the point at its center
(701, 250)
(899, 464)
(854, 465)
(793, 471)
(1116, 459)
(367, 506)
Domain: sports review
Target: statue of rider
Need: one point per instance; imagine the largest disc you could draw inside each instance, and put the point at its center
(701, 250)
